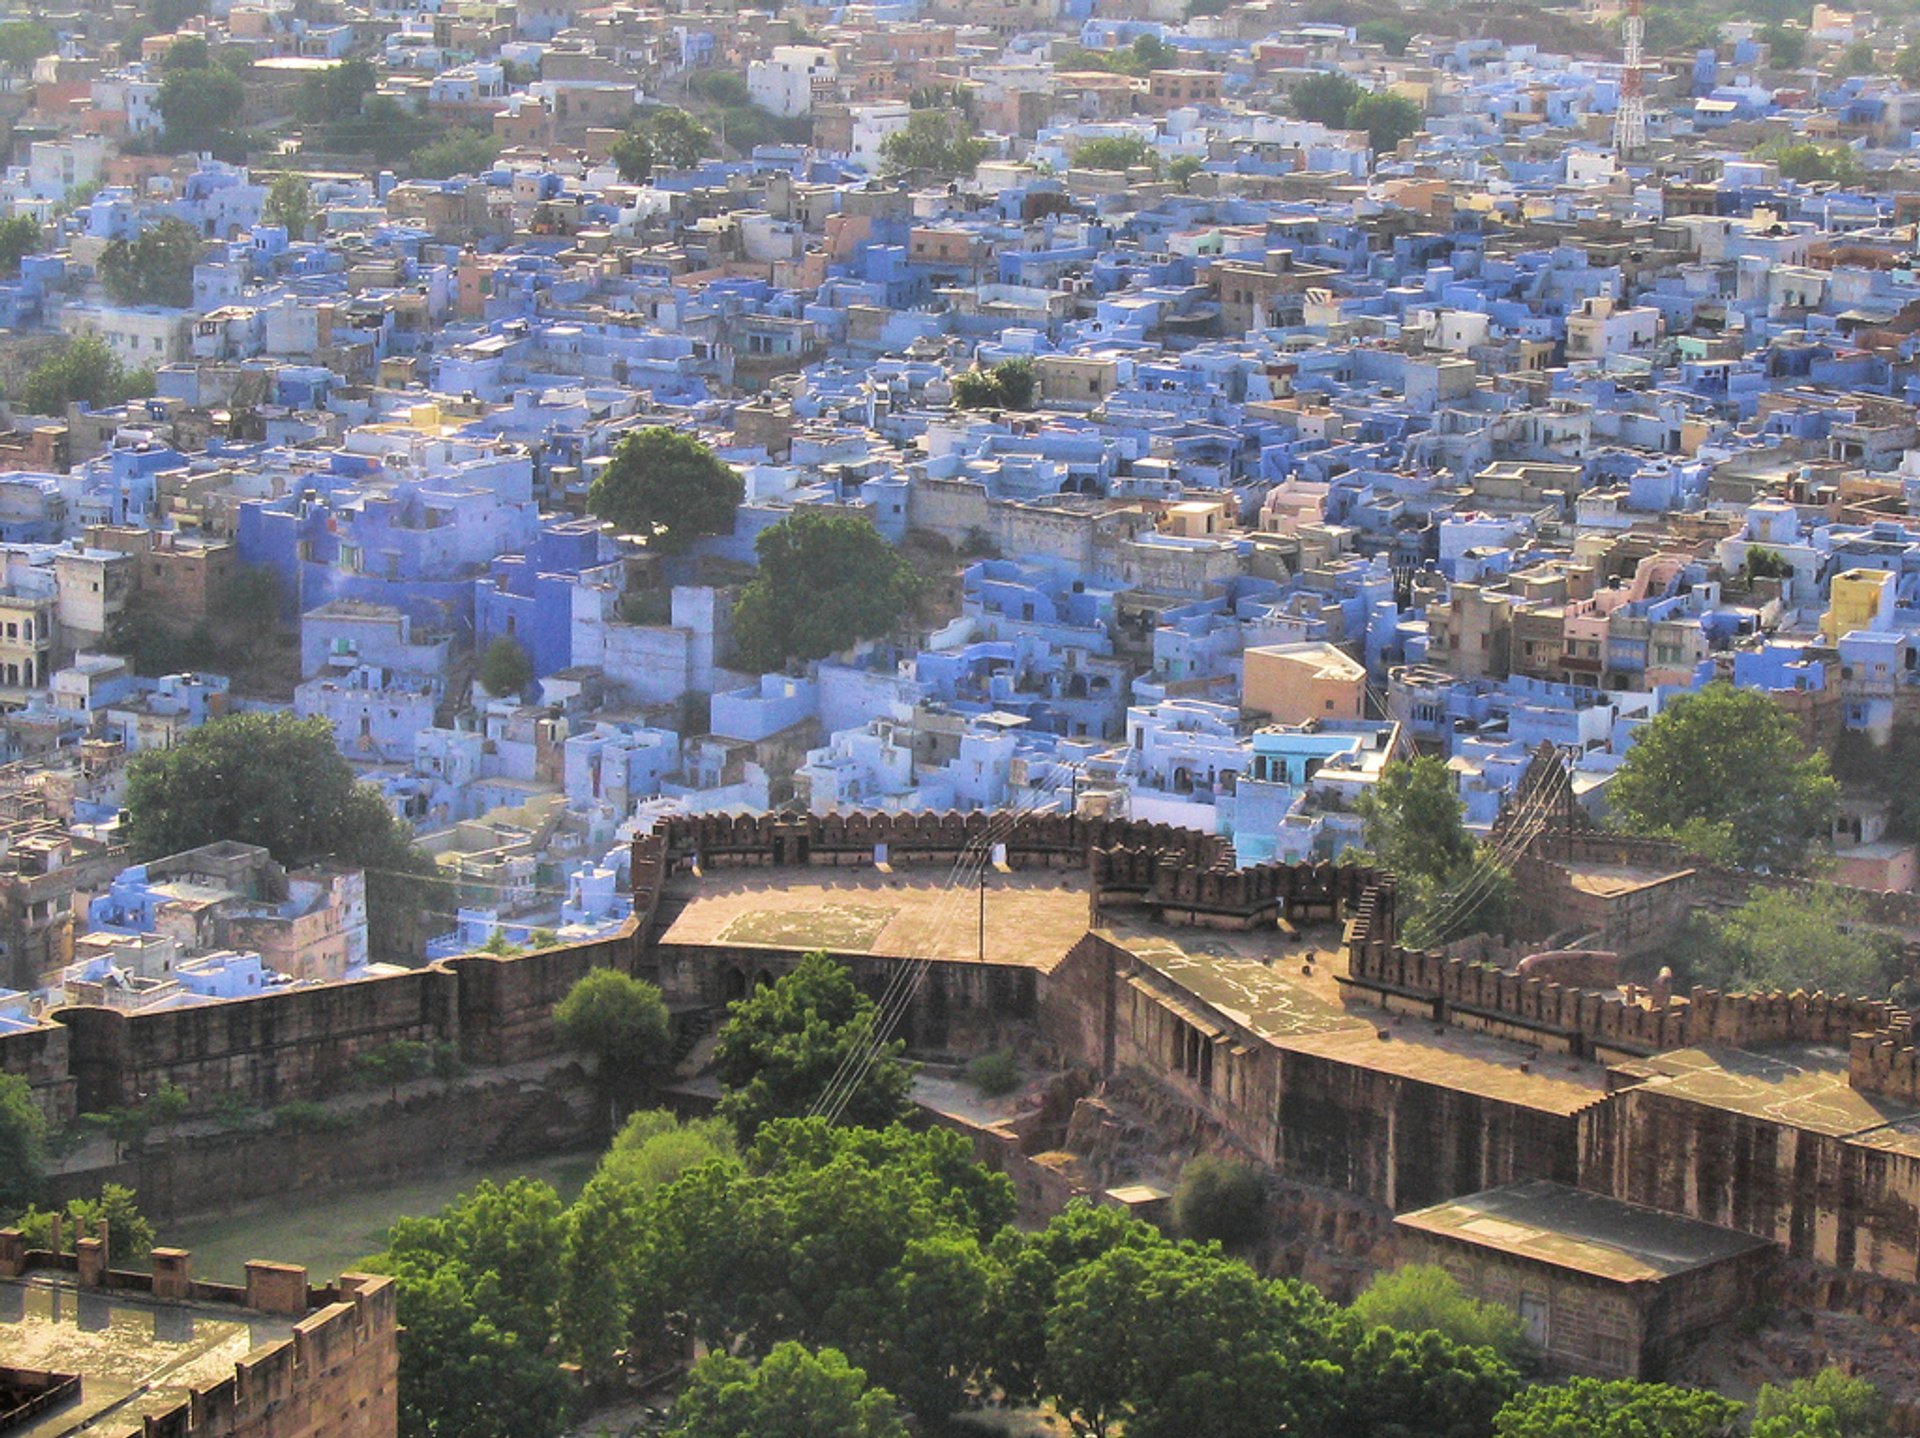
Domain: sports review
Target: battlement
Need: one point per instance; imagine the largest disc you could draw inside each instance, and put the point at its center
(1595, 1024)
(1180, 890)
(1059, 840)
(307, 1354)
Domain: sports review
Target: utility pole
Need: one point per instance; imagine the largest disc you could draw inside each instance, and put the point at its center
(983, 913)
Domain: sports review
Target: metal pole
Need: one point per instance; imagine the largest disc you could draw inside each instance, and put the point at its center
(983, 915)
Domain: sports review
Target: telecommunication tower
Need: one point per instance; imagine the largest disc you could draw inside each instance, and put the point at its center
(1630, 120)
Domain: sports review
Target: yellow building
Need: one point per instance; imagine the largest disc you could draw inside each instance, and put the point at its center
(1858, 600)
(1296, 682)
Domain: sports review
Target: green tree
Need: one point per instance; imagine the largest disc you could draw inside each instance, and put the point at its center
(130, 1234)
(1858, 1409)
(189, 52)
(1765, 563)
(664, 136)
(1798, 939)
(503, 1242)
(1807, 162)
(384, 128)
(1724, 771)
(821, 1238)
(1184, 168)
(825, 581)
(156, 266)
(22, 42)
(1411, 820)
(84, 371)
(622, 1022)
(463, 150)
(1387, 119)
(934, 1351)
(1220, 1200)
(1115, 152)
(1174, 1340)
(505, 668)
(198, 106)
(289, 204)
(668, 487)
(653, 1148)
(336, 93)
(1907, 64)
(278, 781)
(1424, 1298)
(780, 1052)
(1423, 1383)
(791, 1393)
(1027, 1270)
(1855, 59)
(937, 141)
(23, 1144)
(464, 1376)
(1618, 1408)
(392, 1064)
(1325, 97)
(1391, 35)
(1787, 45)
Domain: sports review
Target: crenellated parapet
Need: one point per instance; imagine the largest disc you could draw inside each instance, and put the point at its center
(1586, 1021)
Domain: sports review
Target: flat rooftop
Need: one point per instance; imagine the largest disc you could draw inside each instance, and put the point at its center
(1800, 1085)
(1583, 1232)
(1258, 980)
(135, 1356)
(1032, 916)
(1608, 880)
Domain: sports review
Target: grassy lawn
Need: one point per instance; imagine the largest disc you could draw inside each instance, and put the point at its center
(333, 1233)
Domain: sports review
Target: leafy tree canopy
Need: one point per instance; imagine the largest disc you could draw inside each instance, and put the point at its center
(1387, 119)
(1788, 43)
(85, 372)
(781, 1050)
(668, 487)
(278, 781)
(463, 150)
(1805, 161)
(661, 137)
(156, 266)
(189, 52)
(935, 140)
(1724, 771)
(1011, 384)
(1221, 1200)
(1115, 152)
(1423, 1298)
(199, 105)
(620, 1020)
(130, 1234)
(792, 1393)
(1857, 1408)
(22, 42)
(23, 1144)
(1325, 97)
(336, 93)
(289, 204)
(1596, 1408)
(826, 581)
(1797, 939)
(505, 668)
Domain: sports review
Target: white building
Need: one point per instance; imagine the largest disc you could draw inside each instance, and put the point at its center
(784, 82)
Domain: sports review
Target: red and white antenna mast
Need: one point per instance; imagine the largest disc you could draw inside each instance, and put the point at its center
(1630, 120)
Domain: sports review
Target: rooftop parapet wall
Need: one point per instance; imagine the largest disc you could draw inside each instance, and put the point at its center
(1060, 840)
(1584, 1021)
(301, 1044)
(1885, 1061)
(1170, 881)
